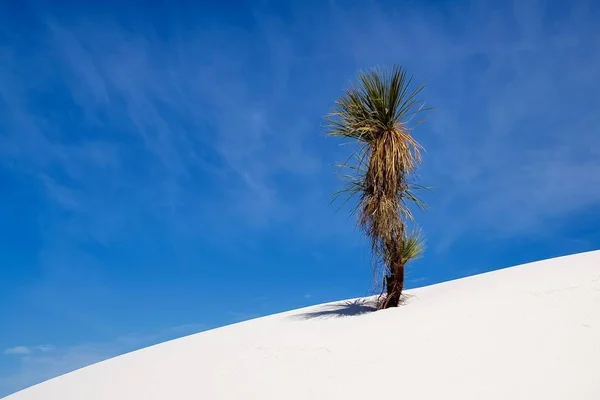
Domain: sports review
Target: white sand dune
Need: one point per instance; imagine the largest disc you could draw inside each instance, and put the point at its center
(527, 332)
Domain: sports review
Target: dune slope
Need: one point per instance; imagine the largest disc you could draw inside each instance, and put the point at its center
(526, 332)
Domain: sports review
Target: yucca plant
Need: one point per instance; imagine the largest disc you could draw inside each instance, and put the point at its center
(411, 247)
(376, 114)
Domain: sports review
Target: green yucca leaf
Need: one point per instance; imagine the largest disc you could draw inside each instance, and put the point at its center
(413, 247)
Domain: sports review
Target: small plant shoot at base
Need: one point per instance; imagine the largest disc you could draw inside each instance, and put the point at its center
(375, 114)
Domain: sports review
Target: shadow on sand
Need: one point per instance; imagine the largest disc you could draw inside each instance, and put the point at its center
(345, 309)
(349, 308)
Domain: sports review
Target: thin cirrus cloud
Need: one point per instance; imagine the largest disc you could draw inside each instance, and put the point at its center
(508, 93)
(27, 350)
(514, 138)
(36, 367)
(178, 117)
(17, 350)
(38, 363)
(214, 131)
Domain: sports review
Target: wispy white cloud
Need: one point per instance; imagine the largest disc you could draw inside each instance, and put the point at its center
(39, 363)
(512, 143)
(17, 350)
(509, 91)
(195, 105)
(35, 368)
(44, 348)
(412, 281)
(26, 350)
(242, 316)
(217, 129)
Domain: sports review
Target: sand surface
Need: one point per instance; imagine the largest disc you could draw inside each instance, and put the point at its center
(526, 332)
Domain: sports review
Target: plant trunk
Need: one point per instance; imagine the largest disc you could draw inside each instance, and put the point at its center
(394, 283)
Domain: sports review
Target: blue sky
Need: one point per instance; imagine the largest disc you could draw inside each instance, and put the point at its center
(164, 170)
